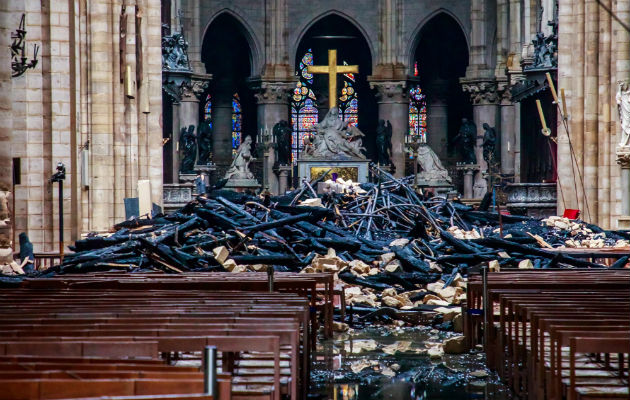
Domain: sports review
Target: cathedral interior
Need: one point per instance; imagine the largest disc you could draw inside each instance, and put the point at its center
(371, 199)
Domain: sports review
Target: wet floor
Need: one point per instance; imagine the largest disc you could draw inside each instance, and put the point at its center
(393, 363)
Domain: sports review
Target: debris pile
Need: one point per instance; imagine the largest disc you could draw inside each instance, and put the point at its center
(391, 248)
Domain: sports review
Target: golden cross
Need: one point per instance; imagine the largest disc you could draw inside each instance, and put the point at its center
(332, 69)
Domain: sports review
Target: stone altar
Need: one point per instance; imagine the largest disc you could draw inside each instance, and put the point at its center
(336, 146)
(532, 199)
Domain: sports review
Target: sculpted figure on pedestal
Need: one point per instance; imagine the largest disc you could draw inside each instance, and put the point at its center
(204, 141)
(623, 106)
(489, 142)
(334, 139)
(282, 133)
(384, 142)
(240, 166)
(188, 145)
(432, 168)
(465, 141)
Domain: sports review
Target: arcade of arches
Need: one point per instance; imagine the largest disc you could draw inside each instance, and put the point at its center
(95, 100)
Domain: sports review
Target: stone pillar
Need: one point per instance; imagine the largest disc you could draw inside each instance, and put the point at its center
(485, 98)
(222, 126)
(507, 134)
(6, 116)
(272, 99)
(284, 172)
(393, 105)
(437, 117)
(188, 110)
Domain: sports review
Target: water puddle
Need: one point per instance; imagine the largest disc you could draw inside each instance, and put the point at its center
(395, 363)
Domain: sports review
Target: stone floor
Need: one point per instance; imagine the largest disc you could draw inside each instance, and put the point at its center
(392, 363)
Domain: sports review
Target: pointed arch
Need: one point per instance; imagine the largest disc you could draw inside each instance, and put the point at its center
(416, 35)
(247, 32)
(305, 28)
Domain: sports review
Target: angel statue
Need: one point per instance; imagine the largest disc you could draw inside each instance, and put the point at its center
(240, 165)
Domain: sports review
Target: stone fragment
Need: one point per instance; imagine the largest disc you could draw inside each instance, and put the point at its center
(391, 302)
(317, 202)
(526, 264)
(455, 345)
(399, 242)
(387, 257)
(373, 271)
(359, 267)
(359, 366)
(435, 353)
(221, 254)
(340, 326)
(430, 297)
(229, 264)
(438, 302)
(239, 268)
(435, 266)
(494, 266)
(479, 374)
(448, 313)
(393, 266)
(389, 292)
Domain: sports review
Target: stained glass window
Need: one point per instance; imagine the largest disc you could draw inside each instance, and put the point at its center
(237, 120)
(303, 107)
(207, 110)
(417, 114)
(348, 102)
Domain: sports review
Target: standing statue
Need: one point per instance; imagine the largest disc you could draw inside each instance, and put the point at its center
(384, 142)
(489, 142)
(466, 140)
(188, 145)
(432, 169)
(623, 106)
(240, 165)
(283, 135)
(204, 141)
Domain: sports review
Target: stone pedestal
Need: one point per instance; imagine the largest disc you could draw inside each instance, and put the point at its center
(242, 185)
(176, 195)
(439, 188)
(187, 178)
(533, 199)
(393, 105)
(284, 174)
(354, 169)
(469, 171)
(206, 171)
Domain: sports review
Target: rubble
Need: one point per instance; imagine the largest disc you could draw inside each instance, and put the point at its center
(388, 247)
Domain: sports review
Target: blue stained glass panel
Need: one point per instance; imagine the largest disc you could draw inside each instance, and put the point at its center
(237, 120)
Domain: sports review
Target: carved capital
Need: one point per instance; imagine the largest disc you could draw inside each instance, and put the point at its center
(481, 91)
(193, 90)
(623, 156)
(272, 92)
(390, 91)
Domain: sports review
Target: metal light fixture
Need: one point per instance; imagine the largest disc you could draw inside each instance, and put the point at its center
(19, 61)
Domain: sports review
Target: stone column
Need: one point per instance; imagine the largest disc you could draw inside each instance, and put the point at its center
(272, 99)
(393, 105)
(437, 117)
(222, 125)
(485, 99)
(6, 116)
(507, 134)
(188, 112)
